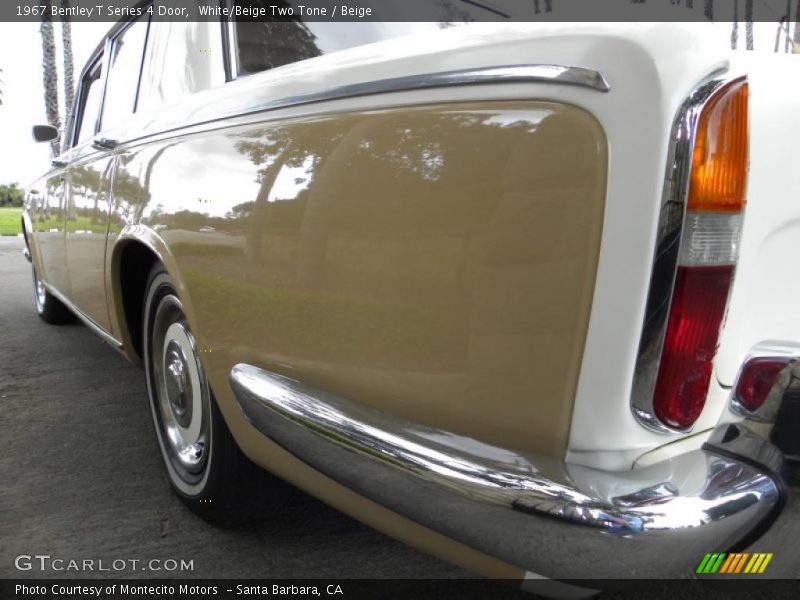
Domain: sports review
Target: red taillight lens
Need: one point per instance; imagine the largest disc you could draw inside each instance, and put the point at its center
(708, 254)
(698, 306)
(756, 380)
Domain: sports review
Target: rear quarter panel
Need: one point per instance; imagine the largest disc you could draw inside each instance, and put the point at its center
(434, 262)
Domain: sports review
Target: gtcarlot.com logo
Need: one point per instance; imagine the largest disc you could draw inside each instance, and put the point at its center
(734, 563)
(45, 562)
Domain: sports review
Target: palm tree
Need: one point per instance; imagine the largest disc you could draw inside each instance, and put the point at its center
(797, 27)
(69, 69)
(50, 75)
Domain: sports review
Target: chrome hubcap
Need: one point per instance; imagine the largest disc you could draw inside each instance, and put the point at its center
(179, 388)
(182, 395)
(38, 292)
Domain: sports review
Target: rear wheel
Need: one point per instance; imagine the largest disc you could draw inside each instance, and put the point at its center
(49, 308)
(205, 467)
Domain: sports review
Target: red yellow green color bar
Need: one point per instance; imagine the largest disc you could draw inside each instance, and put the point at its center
(734, 562)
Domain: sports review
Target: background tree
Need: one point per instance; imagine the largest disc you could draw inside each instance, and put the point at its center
(797, 27)
(50, 75)
(11, 195)
(69, 68)
(548, 6)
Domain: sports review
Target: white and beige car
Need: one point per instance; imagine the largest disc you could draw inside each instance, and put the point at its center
(491, 289)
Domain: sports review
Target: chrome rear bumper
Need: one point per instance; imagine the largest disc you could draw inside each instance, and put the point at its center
(554, 519)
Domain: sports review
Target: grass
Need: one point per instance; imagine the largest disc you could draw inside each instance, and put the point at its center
(85, 224)
(10, 221)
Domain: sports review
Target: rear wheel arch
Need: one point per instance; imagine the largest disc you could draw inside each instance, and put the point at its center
(131, 263)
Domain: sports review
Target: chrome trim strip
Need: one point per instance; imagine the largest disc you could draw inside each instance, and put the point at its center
(557, 74)
(86, 319)
(665, 255)
(233, 55)
(27, 254)
(547, 74)
(654, 521)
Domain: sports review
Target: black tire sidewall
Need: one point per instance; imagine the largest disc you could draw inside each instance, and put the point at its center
(201, 494)
(52, 311)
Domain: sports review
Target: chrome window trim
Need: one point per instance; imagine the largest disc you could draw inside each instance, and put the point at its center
(665, 254)
(112, 39)
(232, 49)
(97, 60)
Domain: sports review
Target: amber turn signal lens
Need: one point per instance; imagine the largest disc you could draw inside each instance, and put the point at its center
(719, 161)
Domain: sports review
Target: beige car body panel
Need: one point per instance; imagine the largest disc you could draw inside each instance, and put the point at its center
(419, 260)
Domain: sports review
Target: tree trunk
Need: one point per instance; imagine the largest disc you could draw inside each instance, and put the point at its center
(797, 27)
(748, 18)
(50, 77)
(69, 67)
(254, 237)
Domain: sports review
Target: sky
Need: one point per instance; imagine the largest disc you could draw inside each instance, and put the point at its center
(22, 160)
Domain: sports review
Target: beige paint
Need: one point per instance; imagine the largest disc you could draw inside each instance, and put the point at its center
(437, 263)
(88, 186)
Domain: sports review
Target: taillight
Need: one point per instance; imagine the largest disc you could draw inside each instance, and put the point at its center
(756, 380)
(708, 254)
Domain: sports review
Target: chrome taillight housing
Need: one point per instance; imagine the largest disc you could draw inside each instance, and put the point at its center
(699, 237)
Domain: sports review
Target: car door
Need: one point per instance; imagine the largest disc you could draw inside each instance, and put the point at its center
(90, 174)
(48, 227)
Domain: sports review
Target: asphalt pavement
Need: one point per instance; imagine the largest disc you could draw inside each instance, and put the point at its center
(80, 476)
(80, 473)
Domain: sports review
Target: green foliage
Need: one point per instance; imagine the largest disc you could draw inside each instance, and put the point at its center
(11, 195)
